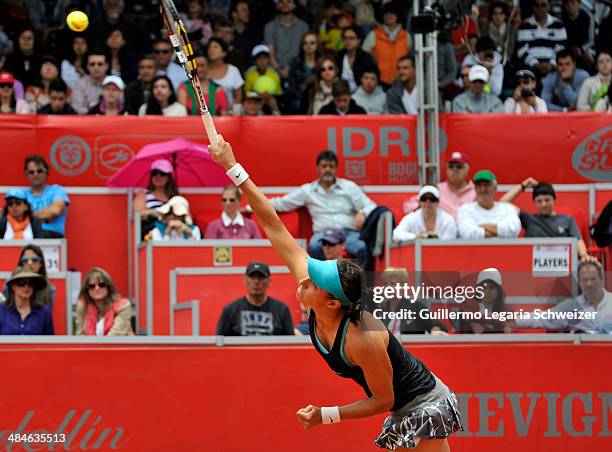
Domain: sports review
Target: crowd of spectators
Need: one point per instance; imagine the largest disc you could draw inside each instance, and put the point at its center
(261, 57)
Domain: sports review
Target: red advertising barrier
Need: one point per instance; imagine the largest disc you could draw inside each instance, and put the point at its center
(537, 396)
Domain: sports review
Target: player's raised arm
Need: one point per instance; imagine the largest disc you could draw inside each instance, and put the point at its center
(293, 255)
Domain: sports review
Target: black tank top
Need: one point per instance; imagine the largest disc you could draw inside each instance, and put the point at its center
(410, 376)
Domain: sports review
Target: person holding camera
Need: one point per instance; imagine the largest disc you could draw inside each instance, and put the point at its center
(524, 99)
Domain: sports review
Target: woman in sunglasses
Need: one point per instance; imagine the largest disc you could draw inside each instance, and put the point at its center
(320, 93)
(232, 225)
(428, 221)
(17, 221)
(100, 310)
(23, 313)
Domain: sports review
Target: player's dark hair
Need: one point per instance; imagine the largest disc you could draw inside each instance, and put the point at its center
(328, 155)
(543, 188)
(39, 160)
(351, 277)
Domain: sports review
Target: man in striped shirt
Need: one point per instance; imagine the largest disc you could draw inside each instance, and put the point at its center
(539, 39)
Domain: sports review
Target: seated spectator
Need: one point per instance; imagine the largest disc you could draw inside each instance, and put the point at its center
(32, 259)
(74, 66)
(546, 223)
(370, 95)
(222, 29)
(476, 100)
(58, 100)
(22, 313)
(595, 304)
(197, 22)
(256, 314)
(121, 59)
(139, 91)
(223, 74)
(111, 103)
(163, 100)
(17, 85)
(594, 93)
(176, 223)
(88, 89)
(402, 96)
(487, 218)
(336, 20)
(232, 225)
(580, 28)
(48, 202)
(214, 96)
(252, 104)
(302, 71)
(101, 311)
(342, 104)
(164, 54)
(427, 222)
(493, 300)
(37, 94)
(560, 88)
(499, 30)
(333, 242)
(8, 102)
(524, 99)
(352, 60)
(17, 222)
(320, 92)
(332, 203)
(491, 59)
(388, 43)
(24, 62)
(263, 79)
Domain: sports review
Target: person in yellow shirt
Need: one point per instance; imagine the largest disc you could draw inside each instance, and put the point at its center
(261, 77)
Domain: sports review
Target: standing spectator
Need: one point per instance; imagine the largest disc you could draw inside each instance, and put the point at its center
(58, 100)
(283, 35)
(539, 39)
(333, 243)
(22, 314)
(164, 53)
(138, 40)
(402, 96)
(17, 222)
(464, 37)
(370, 94)
(330, 28)
(342, 104)
(176, 223)
(594, 93)
(602, 41)
(162, 100)
(197, 22)
(24, 63)
(447, 63)
(223, 74)
(302, 71)
(560, 88)
(37, 94)
(580, 28)
(74, 66)
(49, 202)
(121, 59)
(388, 43)
(256, 313)
(500, 30)
(320, 93)
(476, 100)
(8, 102)
(88, 89)
(427, 222)
(246, 36)
(101, 311)
(214, 96)
(352, 60)
(32, 259)
(332, 203)
(524, 99)
(232, 225)
(487, 218)
(491, 59)
(111, 103)
(365, 16)
(139, 91)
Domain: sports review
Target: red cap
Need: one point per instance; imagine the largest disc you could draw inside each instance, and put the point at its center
(458, 157)
(6, 77)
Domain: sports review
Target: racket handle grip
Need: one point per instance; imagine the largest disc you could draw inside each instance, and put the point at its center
(211, 131)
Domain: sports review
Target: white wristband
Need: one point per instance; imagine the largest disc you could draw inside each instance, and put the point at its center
(330, 414)
(237, 174)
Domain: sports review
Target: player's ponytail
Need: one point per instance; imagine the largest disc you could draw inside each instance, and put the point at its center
(351, 278)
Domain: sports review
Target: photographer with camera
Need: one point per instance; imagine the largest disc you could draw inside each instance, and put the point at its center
(524, 99)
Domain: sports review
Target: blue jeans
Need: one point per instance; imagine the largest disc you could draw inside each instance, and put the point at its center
(354, 246)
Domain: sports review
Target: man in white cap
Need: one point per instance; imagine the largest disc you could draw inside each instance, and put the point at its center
(477, 99)
(111, 103)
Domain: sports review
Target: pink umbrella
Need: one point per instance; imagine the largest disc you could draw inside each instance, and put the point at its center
(193, 166)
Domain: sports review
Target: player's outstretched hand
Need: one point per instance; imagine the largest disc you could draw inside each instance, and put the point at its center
(222, 154)
(309, 417)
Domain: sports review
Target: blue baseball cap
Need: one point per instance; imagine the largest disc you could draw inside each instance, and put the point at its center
(333, 236)
(325, 275)
(16, 193)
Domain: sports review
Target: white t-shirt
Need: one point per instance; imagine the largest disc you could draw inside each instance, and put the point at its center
(231, 81)
(27, 232)
(196, 235)
(410, 101)
(503, 214)
(413, 224)
(175, 109)
(347, 73)
(512, 107)
(100, 327)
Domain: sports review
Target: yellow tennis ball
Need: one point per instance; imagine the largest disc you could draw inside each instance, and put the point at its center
(77, 21)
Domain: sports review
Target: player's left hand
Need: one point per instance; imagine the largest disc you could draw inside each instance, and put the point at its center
(309, 417)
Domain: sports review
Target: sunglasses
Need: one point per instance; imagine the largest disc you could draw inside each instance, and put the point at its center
(101, 285)
(228, 199)
(427, 198)
(25, 260)
(456, 165)
(164, 51)
(24, 282)
(6, 85)
(327, 68)
(158, 173)
(96, 63)
(464, 75)
(309, 43)
(31, 172)
(14, 202)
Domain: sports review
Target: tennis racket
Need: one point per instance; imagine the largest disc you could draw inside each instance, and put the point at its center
(178, 37)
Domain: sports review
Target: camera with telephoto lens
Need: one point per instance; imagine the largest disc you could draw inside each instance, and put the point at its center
(526, 92)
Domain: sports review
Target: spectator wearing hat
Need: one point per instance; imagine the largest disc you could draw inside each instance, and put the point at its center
(23, 313)
(487, 218)
(37, 94)
(333, 243)
(58, 100)
(263, 79)
(214, 95)
(48, 202)
(175, 223)
(342, 104)
(352, 59)
(429, 221)
(560, 88)
(546, 223)
(476, 100)
(232, 224)
(88, 89)
(594, 93)
(402, 96)
(252, 104)
(256, 313)
(17, 221)
(487, 56)
(111, 103)
(524, 99)
(8, 101)
(370, 95)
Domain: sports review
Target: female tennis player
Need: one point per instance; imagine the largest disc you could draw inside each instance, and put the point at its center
(353, 343)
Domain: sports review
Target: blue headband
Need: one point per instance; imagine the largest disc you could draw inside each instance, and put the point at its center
(325, 275)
